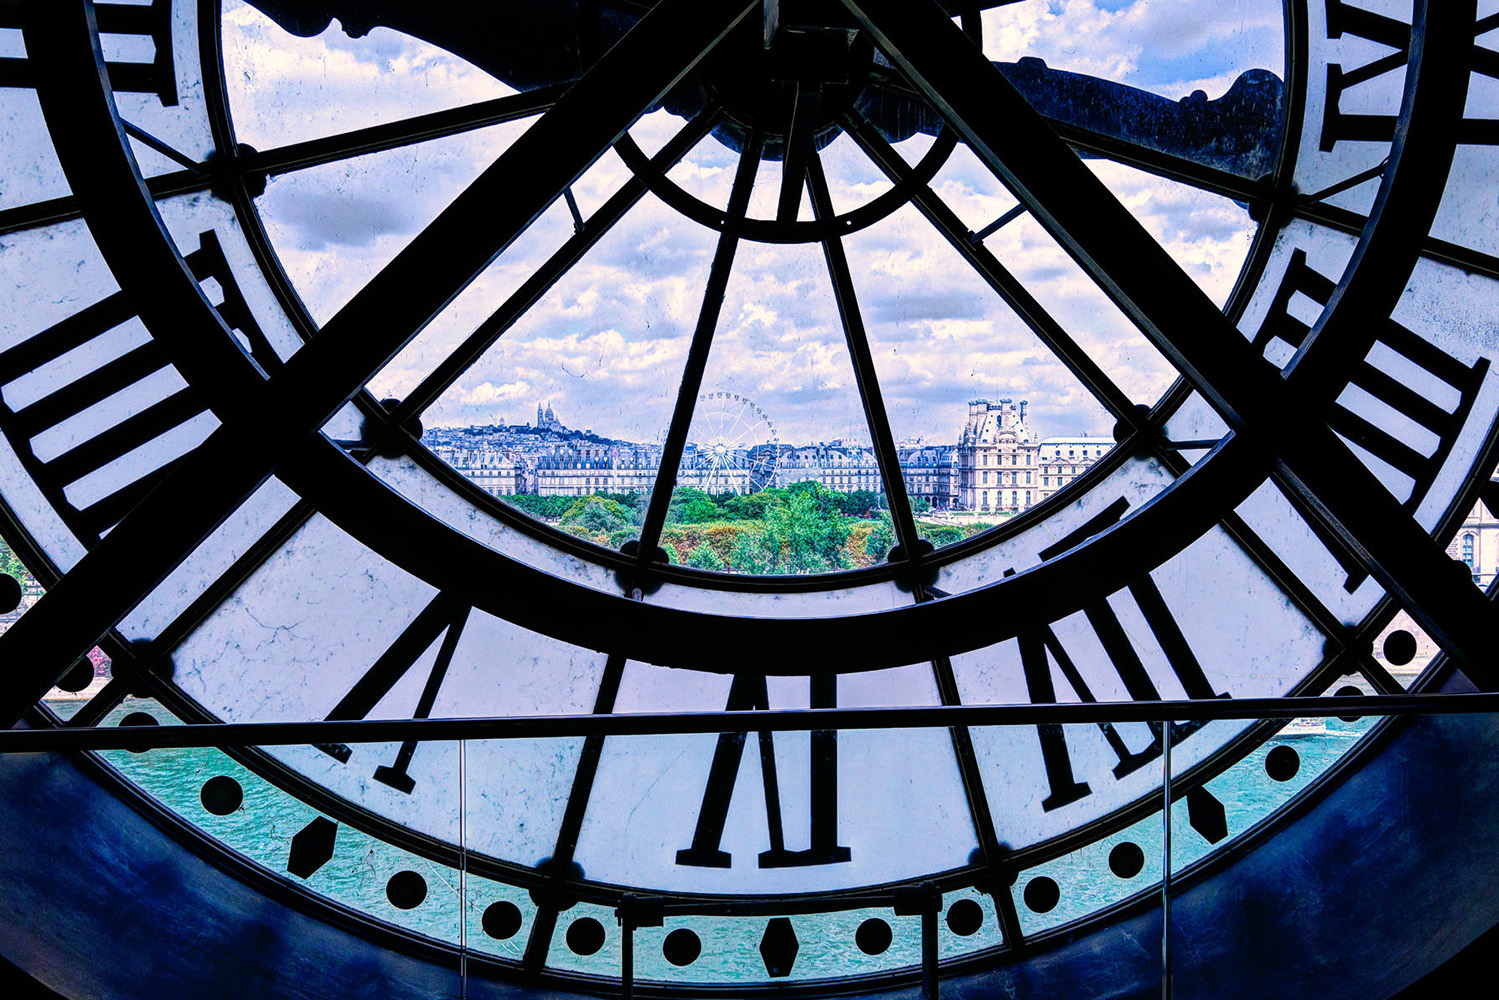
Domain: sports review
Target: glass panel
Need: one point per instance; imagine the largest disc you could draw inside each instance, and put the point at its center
(500, 917)
(1467, 214)
(587, 939)
(1403, 648)
(288, 89)
(827, 946)
(1208, 235)
(780, 418)
(1335, 145)
(1103, 872)
(28, 161)
(426, 491)
(975, 400)
(1081, 307)
(899, 810)
(194, 221)
(1196, 627)
(1444, 308)
(334, 226)
(1060, 461)
(177, 114)
(1344, 589)
(1208, 817)
(377, 643)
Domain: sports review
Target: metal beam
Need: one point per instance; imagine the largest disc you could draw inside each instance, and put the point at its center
(272, 420)
(535, 727)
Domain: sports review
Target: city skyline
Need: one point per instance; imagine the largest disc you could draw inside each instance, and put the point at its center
(860, 439)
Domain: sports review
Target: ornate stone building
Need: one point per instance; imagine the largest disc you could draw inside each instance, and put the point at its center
(1003, 469)
(997, 466)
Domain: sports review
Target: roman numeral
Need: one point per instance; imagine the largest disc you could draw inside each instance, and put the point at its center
(1039, 643)
(1344, 18)
(95, 368)
(749, 692)
(444, 617)
(1421, 373)
(153, 22)
(1300, 279)
(1402, 371)
(1394, 389)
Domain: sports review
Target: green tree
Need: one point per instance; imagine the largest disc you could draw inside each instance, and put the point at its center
(881, 538)
(703, 557)
(753, 553)
(598, 514)
(807, 534)
(547, 508)
(940, 535)
(10, 565)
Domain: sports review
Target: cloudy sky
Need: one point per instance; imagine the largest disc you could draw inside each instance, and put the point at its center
(605, 347)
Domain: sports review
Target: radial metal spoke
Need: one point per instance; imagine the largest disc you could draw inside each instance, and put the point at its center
(1009, 288)
(697, 353)
(548, 274)
(797, 150)
(67, 208)
(1136, 272)
(559, 865)
(269, 420)
(865, 375)
(406, 132)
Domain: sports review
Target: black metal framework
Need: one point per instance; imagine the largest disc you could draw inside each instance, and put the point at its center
(270, 412)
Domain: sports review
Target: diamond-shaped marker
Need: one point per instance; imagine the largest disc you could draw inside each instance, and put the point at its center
(779, 947)
(1205, 813)
(312, 847)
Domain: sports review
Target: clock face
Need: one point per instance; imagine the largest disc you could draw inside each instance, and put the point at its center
(280, 297)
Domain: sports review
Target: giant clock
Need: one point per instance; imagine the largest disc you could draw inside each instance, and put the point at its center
(206, 479)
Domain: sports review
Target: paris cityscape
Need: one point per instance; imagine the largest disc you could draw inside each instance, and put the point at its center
(746, 502)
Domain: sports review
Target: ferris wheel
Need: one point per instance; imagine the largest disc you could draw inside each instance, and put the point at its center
(732, 445)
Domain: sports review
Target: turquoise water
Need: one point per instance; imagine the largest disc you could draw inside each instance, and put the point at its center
(453, 909)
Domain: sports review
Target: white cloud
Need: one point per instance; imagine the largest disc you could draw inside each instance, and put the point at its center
(608, 343)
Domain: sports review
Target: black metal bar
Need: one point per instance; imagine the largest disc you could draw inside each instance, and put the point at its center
(1111, 246)
(1010, 289)
(531, 727)
(1441, 251)
(572, 209)
(544, 926)
(154, 538)
(175, 155)
(1165, 861)
(929, 979)
(797, 151)
(548, 274)
(866, 378)
(998, 224)
(66, 208)
(1350, 182)
(697, 354)
(406, 132)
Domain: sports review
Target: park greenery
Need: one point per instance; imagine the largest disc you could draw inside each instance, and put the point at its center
(802, 528)
(10, 565)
